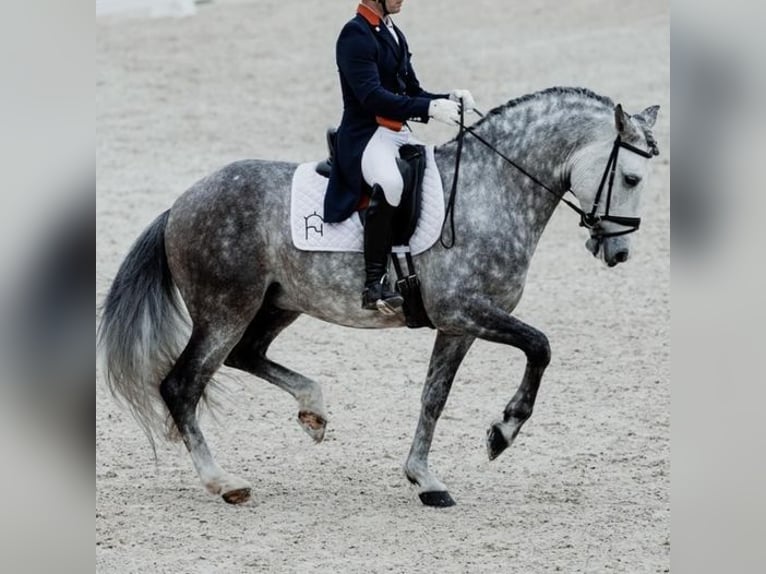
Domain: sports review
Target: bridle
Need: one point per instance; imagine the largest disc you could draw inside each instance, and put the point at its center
(590, 220)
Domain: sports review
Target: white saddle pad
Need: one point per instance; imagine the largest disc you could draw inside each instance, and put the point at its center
(311, 233)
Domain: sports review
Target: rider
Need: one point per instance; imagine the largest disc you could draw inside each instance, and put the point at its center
(380, 94)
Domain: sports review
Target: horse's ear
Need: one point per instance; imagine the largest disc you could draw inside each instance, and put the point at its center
(620, 118)
(649, 116)
(622, 122)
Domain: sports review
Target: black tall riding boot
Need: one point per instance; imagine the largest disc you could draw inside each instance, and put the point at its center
(378, 234)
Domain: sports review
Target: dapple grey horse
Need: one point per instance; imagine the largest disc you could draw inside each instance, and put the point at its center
(216, 278)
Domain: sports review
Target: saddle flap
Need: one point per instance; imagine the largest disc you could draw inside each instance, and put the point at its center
(412, 165)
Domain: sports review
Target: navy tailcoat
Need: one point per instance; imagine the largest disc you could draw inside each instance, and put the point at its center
(379, 87)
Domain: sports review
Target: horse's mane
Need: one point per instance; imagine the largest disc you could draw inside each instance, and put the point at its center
(585, 93)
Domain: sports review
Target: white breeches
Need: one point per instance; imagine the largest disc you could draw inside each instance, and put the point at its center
(379, 161)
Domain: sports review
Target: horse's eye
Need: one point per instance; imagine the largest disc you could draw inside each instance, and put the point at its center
(632, 180)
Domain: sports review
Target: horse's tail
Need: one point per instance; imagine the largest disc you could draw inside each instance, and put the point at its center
(143, 328)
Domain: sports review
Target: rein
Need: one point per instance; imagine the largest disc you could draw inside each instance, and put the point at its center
(450, 211)
(589, 220)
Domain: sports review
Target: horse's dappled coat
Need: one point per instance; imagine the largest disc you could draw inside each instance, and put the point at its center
(228, 251)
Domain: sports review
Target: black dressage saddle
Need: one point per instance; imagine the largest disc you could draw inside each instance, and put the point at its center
(412, 166)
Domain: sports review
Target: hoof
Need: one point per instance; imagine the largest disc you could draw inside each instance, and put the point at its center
(437, 498)
(238, 496)
(313, 424)
(496, 442)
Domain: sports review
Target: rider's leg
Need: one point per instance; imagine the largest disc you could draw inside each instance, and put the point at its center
(377, 246)
(381, 172)
(379, 163)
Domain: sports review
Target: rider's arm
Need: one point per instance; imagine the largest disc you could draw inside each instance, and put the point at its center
(356, 55)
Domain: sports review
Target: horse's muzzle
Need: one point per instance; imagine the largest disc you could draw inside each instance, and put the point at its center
(611, 250)
(620, 256)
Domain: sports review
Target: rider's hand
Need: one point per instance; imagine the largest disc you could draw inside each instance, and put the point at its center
(445, 111)
(464, 97)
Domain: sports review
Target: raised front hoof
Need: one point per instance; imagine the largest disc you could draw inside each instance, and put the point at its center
(437, 498)
(238, 496)
(313, 424)
(496, 442)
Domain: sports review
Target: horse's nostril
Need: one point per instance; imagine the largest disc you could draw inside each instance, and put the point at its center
(622, 256)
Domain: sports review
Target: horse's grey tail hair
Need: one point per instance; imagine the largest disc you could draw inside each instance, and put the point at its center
(143, 328)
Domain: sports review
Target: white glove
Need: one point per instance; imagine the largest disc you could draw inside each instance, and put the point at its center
(464, 97)
(445, 111)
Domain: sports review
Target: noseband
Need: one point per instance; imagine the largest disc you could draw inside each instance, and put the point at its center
(589, 220)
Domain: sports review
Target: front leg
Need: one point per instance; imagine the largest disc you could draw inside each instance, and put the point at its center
(503, 431)
(492, 324)
(446, 357)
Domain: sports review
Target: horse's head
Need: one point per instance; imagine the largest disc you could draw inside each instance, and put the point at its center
(608, 176)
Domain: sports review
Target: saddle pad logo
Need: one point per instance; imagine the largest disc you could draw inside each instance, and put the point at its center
(315, 223)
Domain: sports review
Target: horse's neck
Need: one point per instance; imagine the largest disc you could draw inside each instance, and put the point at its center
(490, 188)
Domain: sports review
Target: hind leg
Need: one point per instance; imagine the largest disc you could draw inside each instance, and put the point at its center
(250, 355)
(182, 389)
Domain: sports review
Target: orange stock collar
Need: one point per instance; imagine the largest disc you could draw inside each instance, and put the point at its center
(368, 14)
